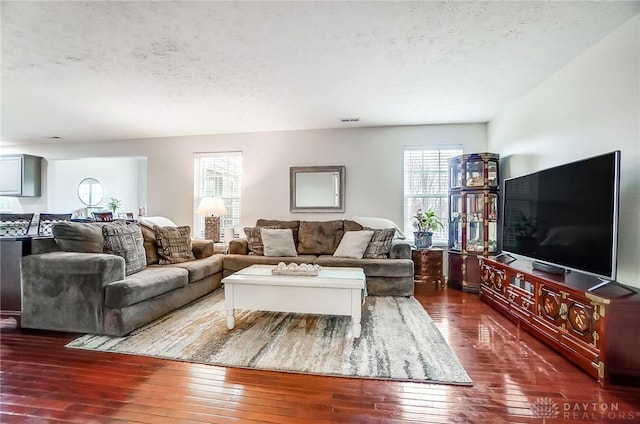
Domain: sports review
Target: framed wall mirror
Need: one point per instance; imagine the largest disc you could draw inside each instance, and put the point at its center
(317, 188)
(90, 191)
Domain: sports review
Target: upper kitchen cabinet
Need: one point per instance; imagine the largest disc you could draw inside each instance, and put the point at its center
(20, 175)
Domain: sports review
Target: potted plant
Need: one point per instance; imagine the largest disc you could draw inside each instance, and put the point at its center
(114, 204)
(425, 224)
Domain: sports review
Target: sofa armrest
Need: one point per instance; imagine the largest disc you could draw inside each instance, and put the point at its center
(202, 248)
(239, 246)
(400, 249)
(65, 291)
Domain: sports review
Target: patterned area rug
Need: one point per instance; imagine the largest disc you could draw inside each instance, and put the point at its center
(399, 341)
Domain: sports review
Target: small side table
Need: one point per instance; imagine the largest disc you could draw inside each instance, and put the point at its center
(427, 265)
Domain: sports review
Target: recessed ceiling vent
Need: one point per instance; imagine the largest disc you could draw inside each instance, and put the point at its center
(345, 120)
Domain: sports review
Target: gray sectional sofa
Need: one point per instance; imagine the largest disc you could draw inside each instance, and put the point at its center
(69, 284)
(316, 241)
(81, 290)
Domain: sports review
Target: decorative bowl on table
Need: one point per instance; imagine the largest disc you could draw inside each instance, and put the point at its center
(295, 269)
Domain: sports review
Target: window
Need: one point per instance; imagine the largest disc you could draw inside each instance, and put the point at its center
(218, 175)
(426, 186)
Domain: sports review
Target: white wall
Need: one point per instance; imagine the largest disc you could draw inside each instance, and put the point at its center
(589, 107)
(373, 158)
(118, 176)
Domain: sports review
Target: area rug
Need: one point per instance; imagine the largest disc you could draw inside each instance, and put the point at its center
(399, 341)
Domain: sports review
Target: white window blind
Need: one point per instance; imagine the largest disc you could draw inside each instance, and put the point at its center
(426, 186)
(218, 175)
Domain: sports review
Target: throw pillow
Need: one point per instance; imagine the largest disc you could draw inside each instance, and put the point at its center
(254, 239)
(378, 224)
(174, 244)
(126, 241)
(380, 244)
(278, 242)
(319, 237)
(274, 223)
(353, 244)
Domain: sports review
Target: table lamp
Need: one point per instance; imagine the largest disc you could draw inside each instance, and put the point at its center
(212, 208)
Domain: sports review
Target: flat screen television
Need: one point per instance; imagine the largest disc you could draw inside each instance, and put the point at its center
(565, 217)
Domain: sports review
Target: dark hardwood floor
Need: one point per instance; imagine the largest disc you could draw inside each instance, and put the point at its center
(42, 381)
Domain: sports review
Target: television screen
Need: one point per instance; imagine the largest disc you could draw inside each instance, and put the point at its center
(566, 215)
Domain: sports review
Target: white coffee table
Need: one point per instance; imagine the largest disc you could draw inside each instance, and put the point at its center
(334, 291)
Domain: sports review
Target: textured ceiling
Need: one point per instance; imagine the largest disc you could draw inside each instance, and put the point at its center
(90, 71)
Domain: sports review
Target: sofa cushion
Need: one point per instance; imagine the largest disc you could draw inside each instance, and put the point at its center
(319, 237)
(380, 244)
(125, 241)
(239, 246)
(202, 248)
(294, 225)
(174, 244)
(254, 238)
(80, 237)
(353, 244)
(371, 267)
(352, 226)
(278, 242)
(233, 263)
(200, 268)
(150, 282)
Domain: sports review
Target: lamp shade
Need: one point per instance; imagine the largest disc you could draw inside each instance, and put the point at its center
(211, 206)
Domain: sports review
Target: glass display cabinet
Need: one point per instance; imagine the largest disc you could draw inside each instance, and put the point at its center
(473, 216)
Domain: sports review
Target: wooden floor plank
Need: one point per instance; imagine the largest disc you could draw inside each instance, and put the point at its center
(42, 381)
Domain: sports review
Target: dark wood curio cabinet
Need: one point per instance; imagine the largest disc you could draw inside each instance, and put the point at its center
(473, 216)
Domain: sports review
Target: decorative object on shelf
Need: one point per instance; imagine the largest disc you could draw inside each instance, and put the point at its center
(473, 216)
(229, 234)
(296, 269)
(114, 204)
(425, 223)
(213, 208)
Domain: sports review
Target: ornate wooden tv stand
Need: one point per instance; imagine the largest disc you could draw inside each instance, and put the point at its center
(595, 330)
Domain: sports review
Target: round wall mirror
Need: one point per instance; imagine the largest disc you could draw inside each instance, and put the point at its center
(90, 191)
